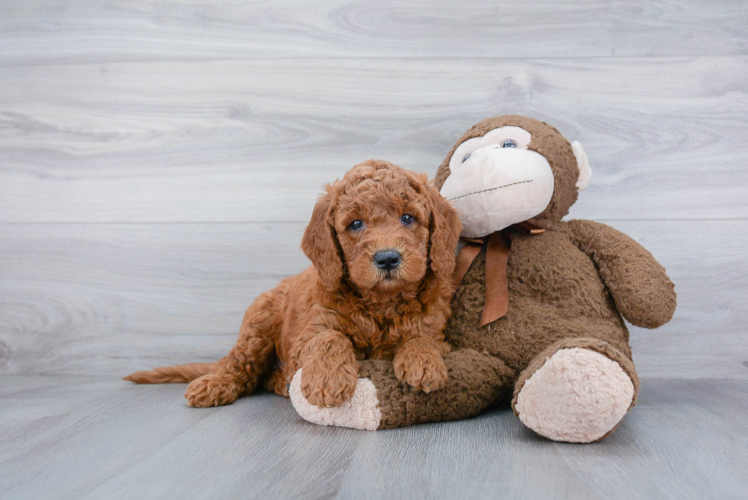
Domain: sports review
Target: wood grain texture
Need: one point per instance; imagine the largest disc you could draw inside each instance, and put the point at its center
(651, 455)
(89, 299)
(255, 140)
(39, 32)
(90, 438)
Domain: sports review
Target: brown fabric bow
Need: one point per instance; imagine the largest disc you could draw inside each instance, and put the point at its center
(497, 253)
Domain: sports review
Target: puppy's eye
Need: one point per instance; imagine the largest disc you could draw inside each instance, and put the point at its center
(466, 158)
(356, 225)
(407, 219)
(509, 143)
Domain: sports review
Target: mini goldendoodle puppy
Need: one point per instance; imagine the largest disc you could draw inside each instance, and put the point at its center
(382, 243)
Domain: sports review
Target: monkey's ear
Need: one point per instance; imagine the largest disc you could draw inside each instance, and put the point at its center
(444, 232)
(585, 172)
(320, 244)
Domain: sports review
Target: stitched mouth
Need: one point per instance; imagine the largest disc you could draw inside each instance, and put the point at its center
(489, 189)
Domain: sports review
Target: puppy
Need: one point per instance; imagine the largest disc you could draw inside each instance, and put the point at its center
(382, 243)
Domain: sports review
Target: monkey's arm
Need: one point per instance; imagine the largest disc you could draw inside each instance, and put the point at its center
(641, 289)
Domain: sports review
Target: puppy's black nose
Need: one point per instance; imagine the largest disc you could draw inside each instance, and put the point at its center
(387, 259)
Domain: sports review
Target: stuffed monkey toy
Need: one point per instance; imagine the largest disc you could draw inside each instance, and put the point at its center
(538, 315)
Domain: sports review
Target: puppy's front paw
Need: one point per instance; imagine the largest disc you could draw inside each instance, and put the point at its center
(424, 369)
(327, 386)
(212, 390)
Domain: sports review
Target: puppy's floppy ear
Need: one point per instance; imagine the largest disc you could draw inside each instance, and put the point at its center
(444, 232)
(320, 243)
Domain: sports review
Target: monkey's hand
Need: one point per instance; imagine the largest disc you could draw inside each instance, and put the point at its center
(641, 289)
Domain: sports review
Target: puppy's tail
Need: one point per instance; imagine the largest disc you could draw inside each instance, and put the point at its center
(172, 374)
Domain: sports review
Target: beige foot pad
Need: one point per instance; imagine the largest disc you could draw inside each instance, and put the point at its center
(360, 412)
(577, 396)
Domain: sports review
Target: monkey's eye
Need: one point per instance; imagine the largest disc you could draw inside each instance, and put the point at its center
(509, 143)
(466, 158)
(407, 219)
(356, 225)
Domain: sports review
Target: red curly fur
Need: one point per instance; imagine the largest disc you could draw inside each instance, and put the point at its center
(343, 308)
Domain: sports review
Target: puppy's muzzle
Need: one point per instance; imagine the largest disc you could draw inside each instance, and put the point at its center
(387, 260)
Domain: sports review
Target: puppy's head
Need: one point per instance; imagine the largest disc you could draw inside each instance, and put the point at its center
(383, 226)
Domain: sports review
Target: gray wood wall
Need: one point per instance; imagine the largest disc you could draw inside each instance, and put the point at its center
(159, 160)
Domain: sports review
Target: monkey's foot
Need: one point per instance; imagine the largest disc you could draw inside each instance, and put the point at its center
(578, 395)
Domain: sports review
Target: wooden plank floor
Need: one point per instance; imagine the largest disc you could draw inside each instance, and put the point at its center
(67, 437)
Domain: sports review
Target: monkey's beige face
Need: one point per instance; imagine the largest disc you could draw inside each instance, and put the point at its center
(496, 181)
(383, 230)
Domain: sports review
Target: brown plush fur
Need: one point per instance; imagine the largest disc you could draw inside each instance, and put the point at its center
(571, 286)
(344, 308)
